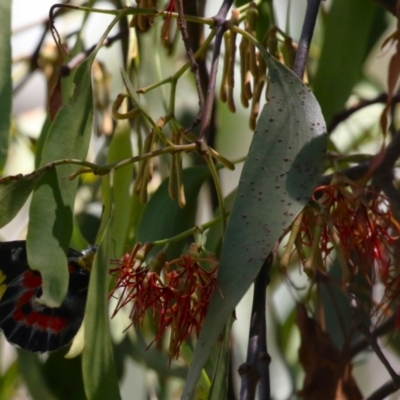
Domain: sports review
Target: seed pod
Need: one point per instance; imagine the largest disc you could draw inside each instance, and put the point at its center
(224, 80)
(179, 182)
(141, 179)
(172, 179)
(231, 70)
(289, 52)
(245, 76)
(262, 66)
(255, 106)
(251, 21)
(143, 22)
(143, 193)
(272, 42)
(117, 104)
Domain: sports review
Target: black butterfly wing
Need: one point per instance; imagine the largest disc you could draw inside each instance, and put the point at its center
(24, 321)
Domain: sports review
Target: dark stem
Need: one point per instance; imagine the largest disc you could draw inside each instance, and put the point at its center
(220, 20)
(343, 115)
(189, 51)
(372, 340)
(256, 368)
(305, 38)
(33, 62)
(384, 391)
(382, 329)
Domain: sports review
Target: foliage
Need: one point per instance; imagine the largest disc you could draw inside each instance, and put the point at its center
(176, 252)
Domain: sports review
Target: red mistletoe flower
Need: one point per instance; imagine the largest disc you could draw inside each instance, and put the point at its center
(178, 297)
(357, 223)
(360, 222)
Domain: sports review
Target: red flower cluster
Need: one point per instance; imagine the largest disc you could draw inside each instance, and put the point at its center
(358, 224)
(363, 223)
(178, 297)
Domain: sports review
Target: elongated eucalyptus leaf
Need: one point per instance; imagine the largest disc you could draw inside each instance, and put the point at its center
(5, 78)
(163, 218)
(32, 373)
(51, 211)
(278, 178)
(8, 382)
(14, 191)
(345, 51)
(98, 368)
(219, 387)
(120, 148)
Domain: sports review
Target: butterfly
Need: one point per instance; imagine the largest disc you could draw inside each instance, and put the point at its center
(25, 322)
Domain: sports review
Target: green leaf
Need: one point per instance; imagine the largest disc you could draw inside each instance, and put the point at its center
(51, 210)
(59, 372)
(346, 45)
(219, 387)
(9, 382)
(278, 178)
(31, 371)
(214, 234)
(14, 191)
(99, 373)
(120, 148)
(5, 78)
(162, 217)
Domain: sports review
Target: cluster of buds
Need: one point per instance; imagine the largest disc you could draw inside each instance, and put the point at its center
(144, 22)
(252, 65)
(140, 21)
(177, 295)
(355, 224)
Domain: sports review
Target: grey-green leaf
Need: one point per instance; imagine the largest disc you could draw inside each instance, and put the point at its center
(278, 178)
(51, 211)
(5, 78)
(14, 191)
(98, 367)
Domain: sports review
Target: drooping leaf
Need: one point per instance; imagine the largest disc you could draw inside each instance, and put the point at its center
(59, 372)
(162, 217)
(219, 387)
(51, 210)
(120, 148)
(278, 178)
(31, 371)
(5, 78)
(9, 382)
(98, 367)
(344, 51)
(14, 191)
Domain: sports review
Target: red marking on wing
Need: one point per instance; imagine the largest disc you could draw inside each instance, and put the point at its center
(40, 321)
(31, 280)
(35, 318)
(25, 298)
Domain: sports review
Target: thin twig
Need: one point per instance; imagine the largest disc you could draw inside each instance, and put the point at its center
(33, 60)
(343, 115)
(380, 330)
(305, 38)
(219, 20)
(384, 391)
(372, 340)
(255, 371)
(194, 65)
